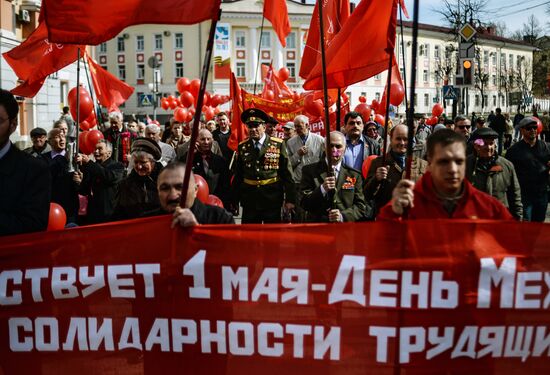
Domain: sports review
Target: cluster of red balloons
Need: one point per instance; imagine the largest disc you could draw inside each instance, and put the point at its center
(397, 94)
(203, 193)
(86, 105)
(87, 140)
(185, 106)
(437, 111)
(314, 103)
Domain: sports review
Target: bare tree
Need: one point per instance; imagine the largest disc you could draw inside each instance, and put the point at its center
(500, 28)
(457, 13)
(481, 75)
(524, 76)
(507, 82)
(445, 65)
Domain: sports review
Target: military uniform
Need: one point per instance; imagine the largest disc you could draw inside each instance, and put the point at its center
(263, 178)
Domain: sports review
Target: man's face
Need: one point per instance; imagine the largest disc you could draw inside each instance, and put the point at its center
(301, 127)
(223, 122)
(289, 133)
(143, 165)
(38, 141)
(463, 127)
(354, 127)
(529, 132)
(204, 142)
(255, 130)
(399, 140)
(448, 168)
(141, 129)
(7, 126)
(170, 185)
(337, 148)
(154, 136)
(57, 142)
(372, 132)
(485, 147)
(270, 129)
(64, 128)
(116, 124)
(133, 126)
(101, 152)
(177, 130)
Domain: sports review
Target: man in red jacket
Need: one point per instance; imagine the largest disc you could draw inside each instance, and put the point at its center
(443, 192)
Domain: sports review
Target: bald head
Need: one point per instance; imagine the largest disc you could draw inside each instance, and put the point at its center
(204, 141)
(399, 139)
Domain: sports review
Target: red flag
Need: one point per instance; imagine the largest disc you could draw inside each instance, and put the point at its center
(238, 131)
(403, 8)
(359, 51)
(95, 21)
(274, 83)
(335, 14)
(395, 78)
(36, 58)
(277, 13)
(110, 91)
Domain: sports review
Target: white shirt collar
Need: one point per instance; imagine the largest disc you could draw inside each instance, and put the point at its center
(262, 140)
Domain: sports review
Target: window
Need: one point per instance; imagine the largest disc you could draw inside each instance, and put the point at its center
(494, 79)
(377, 96)
(415, 99)
(427, 50)
(485, 100)
(518, 61)
(179, 70)
(104, 67)
(494, 100)
(292, 69)
(422, 50)
(122, 72)
(140, 72)
(120, 44)
(510, 61)
(240, 39)
(378, 77)
(140, 43)
(158, 42)
(266, 40)
(426, 100)
(138, 96)
(241, 70)
(494, 58)
(503, 58)
(178, 41)
(291, 40)
(363, 93)
(103, 48)
(425, 76)
(436, 52)
(486, 57)
(477, 101)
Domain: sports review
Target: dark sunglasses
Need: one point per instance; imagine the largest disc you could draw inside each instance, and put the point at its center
(464, 126)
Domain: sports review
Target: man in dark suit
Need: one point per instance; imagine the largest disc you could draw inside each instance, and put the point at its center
(24, 180)
(263, 176)
(332, 194)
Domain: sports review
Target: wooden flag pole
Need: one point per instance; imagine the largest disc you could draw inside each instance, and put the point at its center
(410, 114)
(386, 118)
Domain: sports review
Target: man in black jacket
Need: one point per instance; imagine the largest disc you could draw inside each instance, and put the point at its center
(25, 182)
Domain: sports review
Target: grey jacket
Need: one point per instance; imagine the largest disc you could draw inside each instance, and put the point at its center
(316, 147)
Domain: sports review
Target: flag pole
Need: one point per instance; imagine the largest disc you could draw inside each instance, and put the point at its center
(200, 99)
(386, 118)
(77, 120)
(90, 88)
(259, 50)
(410, 114)
(338, 104)
(324, 73)
(404, 56)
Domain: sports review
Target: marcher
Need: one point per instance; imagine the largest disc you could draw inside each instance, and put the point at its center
(222, 134)
(289, 130)
(120, 138)
(39, 143)
(152, 132)
(498, 124)
(358, 147)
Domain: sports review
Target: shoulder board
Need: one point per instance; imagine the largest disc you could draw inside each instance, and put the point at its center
(275, 139)
(243, 142)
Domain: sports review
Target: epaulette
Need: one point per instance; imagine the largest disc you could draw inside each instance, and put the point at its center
(243, 142)
(278, 140)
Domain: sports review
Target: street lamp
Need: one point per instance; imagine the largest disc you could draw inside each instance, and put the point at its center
(154, 64)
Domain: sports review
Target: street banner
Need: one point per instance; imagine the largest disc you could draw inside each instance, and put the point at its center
(222, 51)
(136, 297)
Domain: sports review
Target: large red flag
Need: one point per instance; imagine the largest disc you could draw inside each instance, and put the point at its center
(110, 91)
(335, 14)
(395, 78)
(238, 131)
(95, 21)
(277, 13)
(360, 50)
(36, 58)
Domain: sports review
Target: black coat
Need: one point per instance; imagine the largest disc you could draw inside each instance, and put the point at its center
(100, 185)
(217, 177)
(25, 186)
(204, 213)
(64, 189)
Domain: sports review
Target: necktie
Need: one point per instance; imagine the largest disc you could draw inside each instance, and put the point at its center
(258, 146)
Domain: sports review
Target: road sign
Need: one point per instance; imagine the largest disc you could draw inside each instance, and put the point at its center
(146, 100)
(467, 32)
(466, 50)
(450, 92)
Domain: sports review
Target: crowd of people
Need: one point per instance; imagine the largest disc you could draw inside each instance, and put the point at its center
(491, 170)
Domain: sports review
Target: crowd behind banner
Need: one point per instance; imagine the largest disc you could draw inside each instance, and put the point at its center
(118, 180)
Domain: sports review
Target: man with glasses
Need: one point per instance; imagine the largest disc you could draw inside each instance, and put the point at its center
(263, 176)
(531, 159)
(463, 126)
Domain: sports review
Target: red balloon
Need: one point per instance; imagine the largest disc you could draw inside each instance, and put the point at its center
(284, 73)
(432, 120)
(180, 114)
(217, 110)
(92, 120)
(362, 99)
(437, 110)
(364, 110)
(172, 104)
(209, 114)
(83, 143)
(344, 97)
(366, 165)
(397, 93)
(183, 84)
(214, 201)
(164, 103)
(539, 125)
(57, 218)
(86, 104)
(295, 96)
(313, 106)
(202, 188)
(187, 99)
(85, 125)
(378, 118)
(178, 102)
(194, 87)
(375, 104)
(215, 100)
(207, 97)
(93, 137)
(269, 95)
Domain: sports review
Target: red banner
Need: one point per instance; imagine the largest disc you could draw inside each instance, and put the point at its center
(138, 297)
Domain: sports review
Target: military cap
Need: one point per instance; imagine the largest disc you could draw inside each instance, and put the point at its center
(484, 133)
(526, 122)
(272, 121)
(254, 115)
(149, 146)
(38, 132)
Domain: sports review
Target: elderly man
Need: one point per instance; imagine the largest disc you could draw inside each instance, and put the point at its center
(25, 182)
(531, 159)
(443, 192)
(383, 177)
(371, 131)
(152, 132)
(170, 186)
(99, 181)
(358, 147)
(120, 138)
(493, 174)
(263, 176)
(289, 130)
(332, 191)
(222, 134)
(39, 144)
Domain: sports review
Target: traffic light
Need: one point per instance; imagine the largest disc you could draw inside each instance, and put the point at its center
(467, 67)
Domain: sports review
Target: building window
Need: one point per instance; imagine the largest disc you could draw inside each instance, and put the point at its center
(485, 100)
(426, 100)
(494, 79)
(415, 99)
(140, 72)
(120, 44)
(377, 96)
(494, 100)
(510, 61)
(241, 70)
(363, 93)
(122, 72)
(158, 42)
(486, 57)
(292, 69)
(494, 58)
(104, 67)
(291, 40)
(421, 50)
(266, 40)
(503, 58)
(179, 70)
(378, 77)
(436, 52)
(240, 39)
(477, 101)
(518, 62)
(103, 48)
(140, 43)
(425, 76)
(138, 96)
(178, 40)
